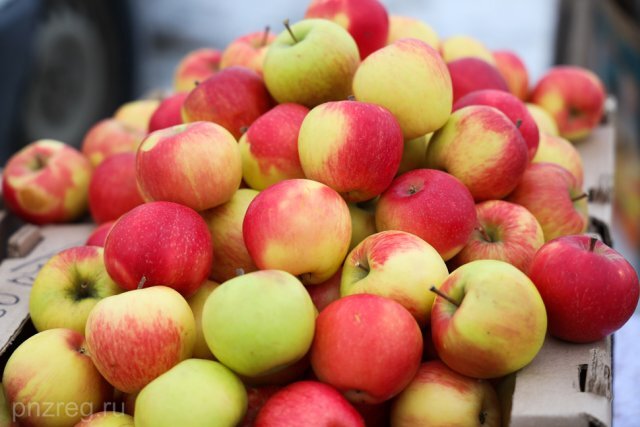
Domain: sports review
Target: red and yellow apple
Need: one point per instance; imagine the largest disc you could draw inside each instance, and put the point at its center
(99, 235)
(402, 27)
(323, 294)
(514, 72)
(196, 302)
(248, 51)
(556, 149)
(168, 113)
(109, 137)
(136, 114)
(546, 123)
(461, 46)
(196, 67)
(470, 74)
(414, 155)
(363, 224)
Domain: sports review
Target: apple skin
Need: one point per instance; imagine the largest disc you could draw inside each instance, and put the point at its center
(363, 224)
(481, 147)
(505, 232)
(68, 286)
(438, 396)
(574, 96)
(256, 398)
(147, 246)
(546, 123)
(419, 96)
(113, 189)
(431, 204)
(512, 107)
(269, 149)
(248, 51)
(471, 74)
(196, 67)
(326, 292)
(109, 137)
(191, 394)
(366, 20)
(168, 112)
(136, 336)
(99, 235)
(196, 302)
(233, 98)
(259, 323)
(375, 265)
(458, 47)
(368, 347)
(353, 147)
(555, 149)
(414, 155)
(514, 72)
(107, 419)
(46, 182)
(402, 27)
(136, 114)
(548, 192)
(500, 325)
(273, 229)
(50, 381)
(197, 165)
(225, 226)
(309, 404)
(318, 68)
(589, 294)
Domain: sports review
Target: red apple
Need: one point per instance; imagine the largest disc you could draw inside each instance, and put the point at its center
(168, 112)
(196, 67)
(514, 73)
(248, 51)
(233, 98)
(470, 74)
(368, 347)
(109, 137)
(433, 205)
(588, 288)
(159, 243)
(326, 292)
(113, 190)
(256, 398)
(99, 235)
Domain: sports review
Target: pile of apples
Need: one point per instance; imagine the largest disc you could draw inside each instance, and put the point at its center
(352, 220)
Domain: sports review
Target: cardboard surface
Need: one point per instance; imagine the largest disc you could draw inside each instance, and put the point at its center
(17, 275)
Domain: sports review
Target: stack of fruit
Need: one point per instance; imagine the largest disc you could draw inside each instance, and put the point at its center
(276, 239)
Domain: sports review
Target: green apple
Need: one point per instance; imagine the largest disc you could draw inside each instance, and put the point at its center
(193, 393)
(310, 63)
(363, 224)
(414, 155)
(259, 323)
(67, 288)
(196, 302)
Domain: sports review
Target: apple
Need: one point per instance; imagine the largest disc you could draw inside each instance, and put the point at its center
(375, 265)
(197, 165)
(277, 225)
(514, 72)
(50, 381)
(196, 302)
(546, 123)
(225, 226)
(363, 224)
(107, 419)
(481, 147)
(99, 235)
(195, 67)
(248, 51)
(589, 289)
(420, 93)
(326, 292)
(192, 394)
(457, 47)
(555, 149)
(553, 196)
(366, 20)
(574, 96)
(438, 396)
(310, 63)
(431, 204)
(68, 286)
(414, 155)
(353, 147)
(512, 107)
(136, 336)
(269, 149)
(470, 74)
(288, 374)
(168, 112)
(256, 398)
(159, 243)
(46, 182)
(6, 414)
(505, 232)
(109, 137)
(308, 403)
(402, 27)
(113, 189)
(233, 98)
(366, 346)
(489, 319)
(259, 323)
(136, 114)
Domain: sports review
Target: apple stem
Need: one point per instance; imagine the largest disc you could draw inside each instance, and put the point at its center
(265, 36)
(142, 282)
(196, 82)
(518, 123)
(592, 243)
(443, 295)
(286, 25)
(484, 234)
(580, 197)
